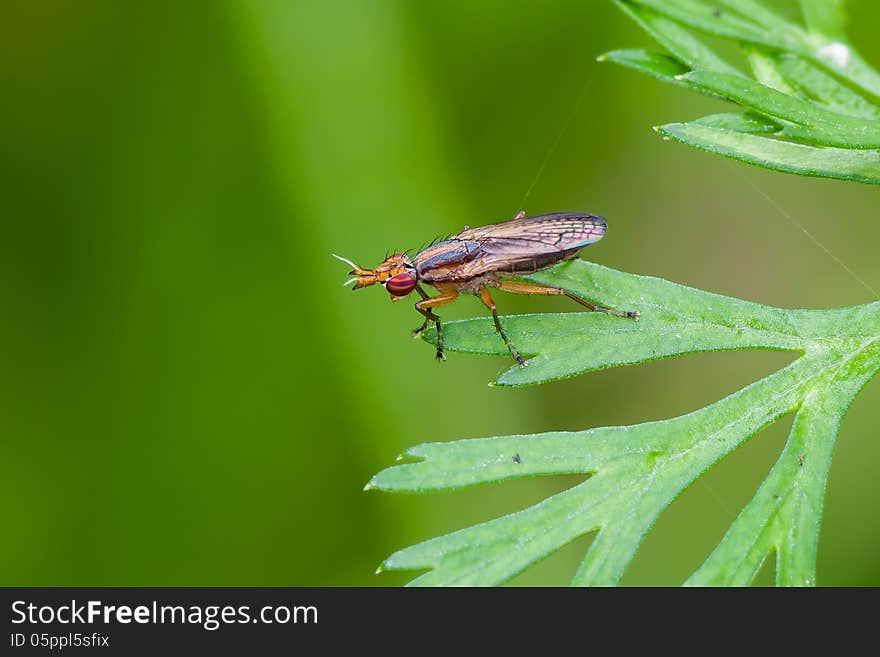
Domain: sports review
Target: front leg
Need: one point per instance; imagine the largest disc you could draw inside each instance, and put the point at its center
(418, 331)
(424, 306)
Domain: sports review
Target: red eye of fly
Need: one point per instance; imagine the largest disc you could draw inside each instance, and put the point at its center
(401, 284)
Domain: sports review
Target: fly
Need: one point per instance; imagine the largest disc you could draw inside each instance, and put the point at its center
(478, 259)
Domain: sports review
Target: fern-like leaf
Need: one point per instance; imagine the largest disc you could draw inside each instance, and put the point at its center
(812, 94)
(808, 108)
(635, 472)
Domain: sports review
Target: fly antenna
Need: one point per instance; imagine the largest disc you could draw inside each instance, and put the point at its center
(346, 261)
(350, 280)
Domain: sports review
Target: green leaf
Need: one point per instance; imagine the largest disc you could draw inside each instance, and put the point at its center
(745, 122)
(806, 81)
(784, 515)
(659, 66)
(635, 472)
(802, 114)
(750, 22)
(674, 320)
(676, 39)
(822, 88)
(767, 72)
(739, 20)
(796, 76)
(813, 123)
(845, 164)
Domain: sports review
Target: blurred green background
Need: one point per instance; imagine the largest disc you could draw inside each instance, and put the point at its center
(189, 395)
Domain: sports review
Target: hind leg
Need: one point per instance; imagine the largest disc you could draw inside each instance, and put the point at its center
(518, 287)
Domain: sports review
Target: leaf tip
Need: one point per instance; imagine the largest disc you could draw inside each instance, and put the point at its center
(663, 131)
(603, 57)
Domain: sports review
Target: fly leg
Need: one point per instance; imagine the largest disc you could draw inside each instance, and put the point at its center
(518, 287)
(424, 306)
(418, 331)
(484, 296)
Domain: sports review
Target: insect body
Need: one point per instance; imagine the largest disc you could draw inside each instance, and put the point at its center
(478, 259)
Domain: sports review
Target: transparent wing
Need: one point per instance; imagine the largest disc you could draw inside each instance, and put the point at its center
(543, 233)
(528, 243)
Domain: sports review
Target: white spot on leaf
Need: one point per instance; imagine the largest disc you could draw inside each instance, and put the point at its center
(836, 53)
